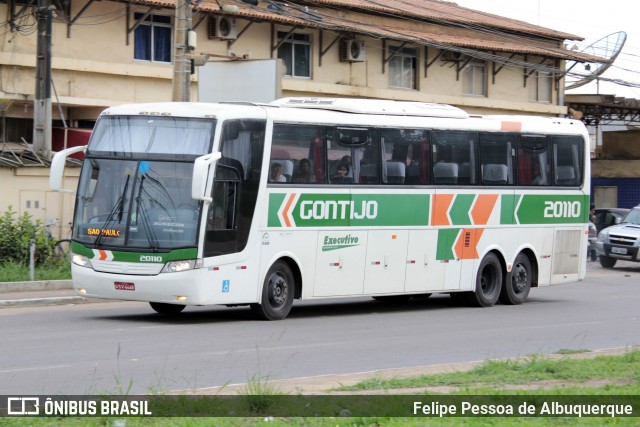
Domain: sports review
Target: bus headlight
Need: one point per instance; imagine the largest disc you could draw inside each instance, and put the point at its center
(184, 265)
(81, 260)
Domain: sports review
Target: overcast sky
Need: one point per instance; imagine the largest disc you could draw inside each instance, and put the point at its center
(590, 19)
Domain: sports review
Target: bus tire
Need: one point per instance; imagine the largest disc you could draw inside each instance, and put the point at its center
(164, 308)
(607, 262)
(488, 283)
(515, 289)
(277, 293)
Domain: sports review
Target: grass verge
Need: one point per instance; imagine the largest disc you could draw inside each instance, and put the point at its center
(614, 376)
(12, 271)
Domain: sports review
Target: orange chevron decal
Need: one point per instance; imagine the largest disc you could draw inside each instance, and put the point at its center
(285, 211)
(103, 255)
(466, 246)
(440, 207)
(483, 207)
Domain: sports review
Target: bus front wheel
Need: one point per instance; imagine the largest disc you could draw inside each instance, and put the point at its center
(488, 283)
(515, 289)
(277, 293)
(164, 308)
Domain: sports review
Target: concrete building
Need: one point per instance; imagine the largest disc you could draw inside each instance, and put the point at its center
(106, 53)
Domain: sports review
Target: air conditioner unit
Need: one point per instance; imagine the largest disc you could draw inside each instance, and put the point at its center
(352, 50)
(222, 27)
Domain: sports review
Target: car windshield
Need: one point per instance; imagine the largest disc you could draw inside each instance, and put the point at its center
(633, 217)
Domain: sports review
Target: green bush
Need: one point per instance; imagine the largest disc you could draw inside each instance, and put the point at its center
(16, 234)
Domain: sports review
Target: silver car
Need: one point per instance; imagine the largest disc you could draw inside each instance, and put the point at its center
(621, 241)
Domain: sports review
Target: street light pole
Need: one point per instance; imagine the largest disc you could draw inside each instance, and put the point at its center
(42, 101)
(181, 60)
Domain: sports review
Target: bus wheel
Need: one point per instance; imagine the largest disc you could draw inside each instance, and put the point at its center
(516, 290)
(277, 293)
(488, 283)
(607, 262)
(164, 308)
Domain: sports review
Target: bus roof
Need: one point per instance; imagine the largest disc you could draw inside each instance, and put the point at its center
(374, 106)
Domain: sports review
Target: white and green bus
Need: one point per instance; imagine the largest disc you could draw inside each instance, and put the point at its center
(260, 204)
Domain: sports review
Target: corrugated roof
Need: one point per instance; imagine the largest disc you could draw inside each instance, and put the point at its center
(446, 11)
(331, 18)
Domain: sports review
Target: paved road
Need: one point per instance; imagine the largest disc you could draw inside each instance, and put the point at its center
(118, 347)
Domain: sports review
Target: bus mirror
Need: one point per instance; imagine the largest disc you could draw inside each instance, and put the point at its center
(57, 168)
(201, 175)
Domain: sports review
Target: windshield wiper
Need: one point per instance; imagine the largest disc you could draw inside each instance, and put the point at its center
(119, 206)
(148, 229)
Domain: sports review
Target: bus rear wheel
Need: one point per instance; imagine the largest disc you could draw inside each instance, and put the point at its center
(516, 290)
(277, 293)
(488, 283)
(164, 308)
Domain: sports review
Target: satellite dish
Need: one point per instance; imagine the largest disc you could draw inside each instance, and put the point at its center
(608, 47)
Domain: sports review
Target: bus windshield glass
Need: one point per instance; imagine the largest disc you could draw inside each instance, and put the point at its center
(136, 204)
(154, 136)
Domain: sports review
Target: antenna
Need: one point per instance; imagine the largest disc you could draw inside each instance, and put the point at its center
(608, 47)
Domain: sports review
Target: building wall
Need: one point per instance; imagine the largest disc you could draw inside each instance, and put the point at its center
(94, 68)
(26, 190)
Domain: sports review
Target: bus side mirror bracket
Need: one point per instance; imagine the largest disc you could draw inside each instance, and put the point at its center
(57, 168)
(201, 175)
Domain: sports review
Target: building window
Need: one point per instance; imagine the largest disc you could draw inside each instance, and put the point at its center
(153, 38)
(402, 67)
(540, 87)
(474, 79)
(295, 51)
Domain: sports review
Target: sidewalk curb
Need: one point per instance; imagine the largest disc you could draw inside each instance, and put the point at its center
(38, 285)
(34, 302)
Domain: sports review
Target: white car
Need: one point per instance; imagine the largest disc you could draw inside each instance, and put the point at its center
(621, 241)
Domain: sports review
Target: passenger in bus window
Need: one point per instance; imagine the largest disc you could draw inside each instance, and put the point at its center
(303, 173)
(276, 173)
(346, 161)
(537, 175)
(342, 174)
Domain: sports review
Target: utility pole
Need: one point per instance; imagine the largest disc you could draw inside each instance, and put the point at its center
(181, 60)
(42, 101)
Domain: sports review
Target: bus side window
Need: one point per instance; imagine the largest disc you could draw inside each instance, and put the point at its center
(533, 160)
(496, 158)
(298, 152)
(454, 157)
(405, 162)
(568, 160)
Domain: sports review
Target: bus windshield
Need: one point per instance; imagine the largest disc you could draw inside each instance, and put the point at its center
(166, 137)
(136, 204)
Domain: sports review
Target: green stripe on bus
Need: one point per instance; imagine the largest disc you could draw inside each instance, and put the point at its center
(121, 256)
(346, 210)
(461, 209)
(275, 200)
(508, 202)
(446, 239)
(552, 209)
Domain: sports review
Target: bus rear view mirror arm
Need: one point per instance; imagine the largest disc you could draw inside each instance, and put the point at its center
(201, 174)
(57, 168)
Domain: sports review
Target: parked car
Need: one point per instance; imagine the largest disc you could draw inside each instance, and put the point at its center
(621, 241)
(606, 217)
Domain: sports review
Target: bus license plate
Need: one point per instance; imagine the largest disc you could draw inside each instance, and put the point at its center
(620, 251)
(124, 286)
